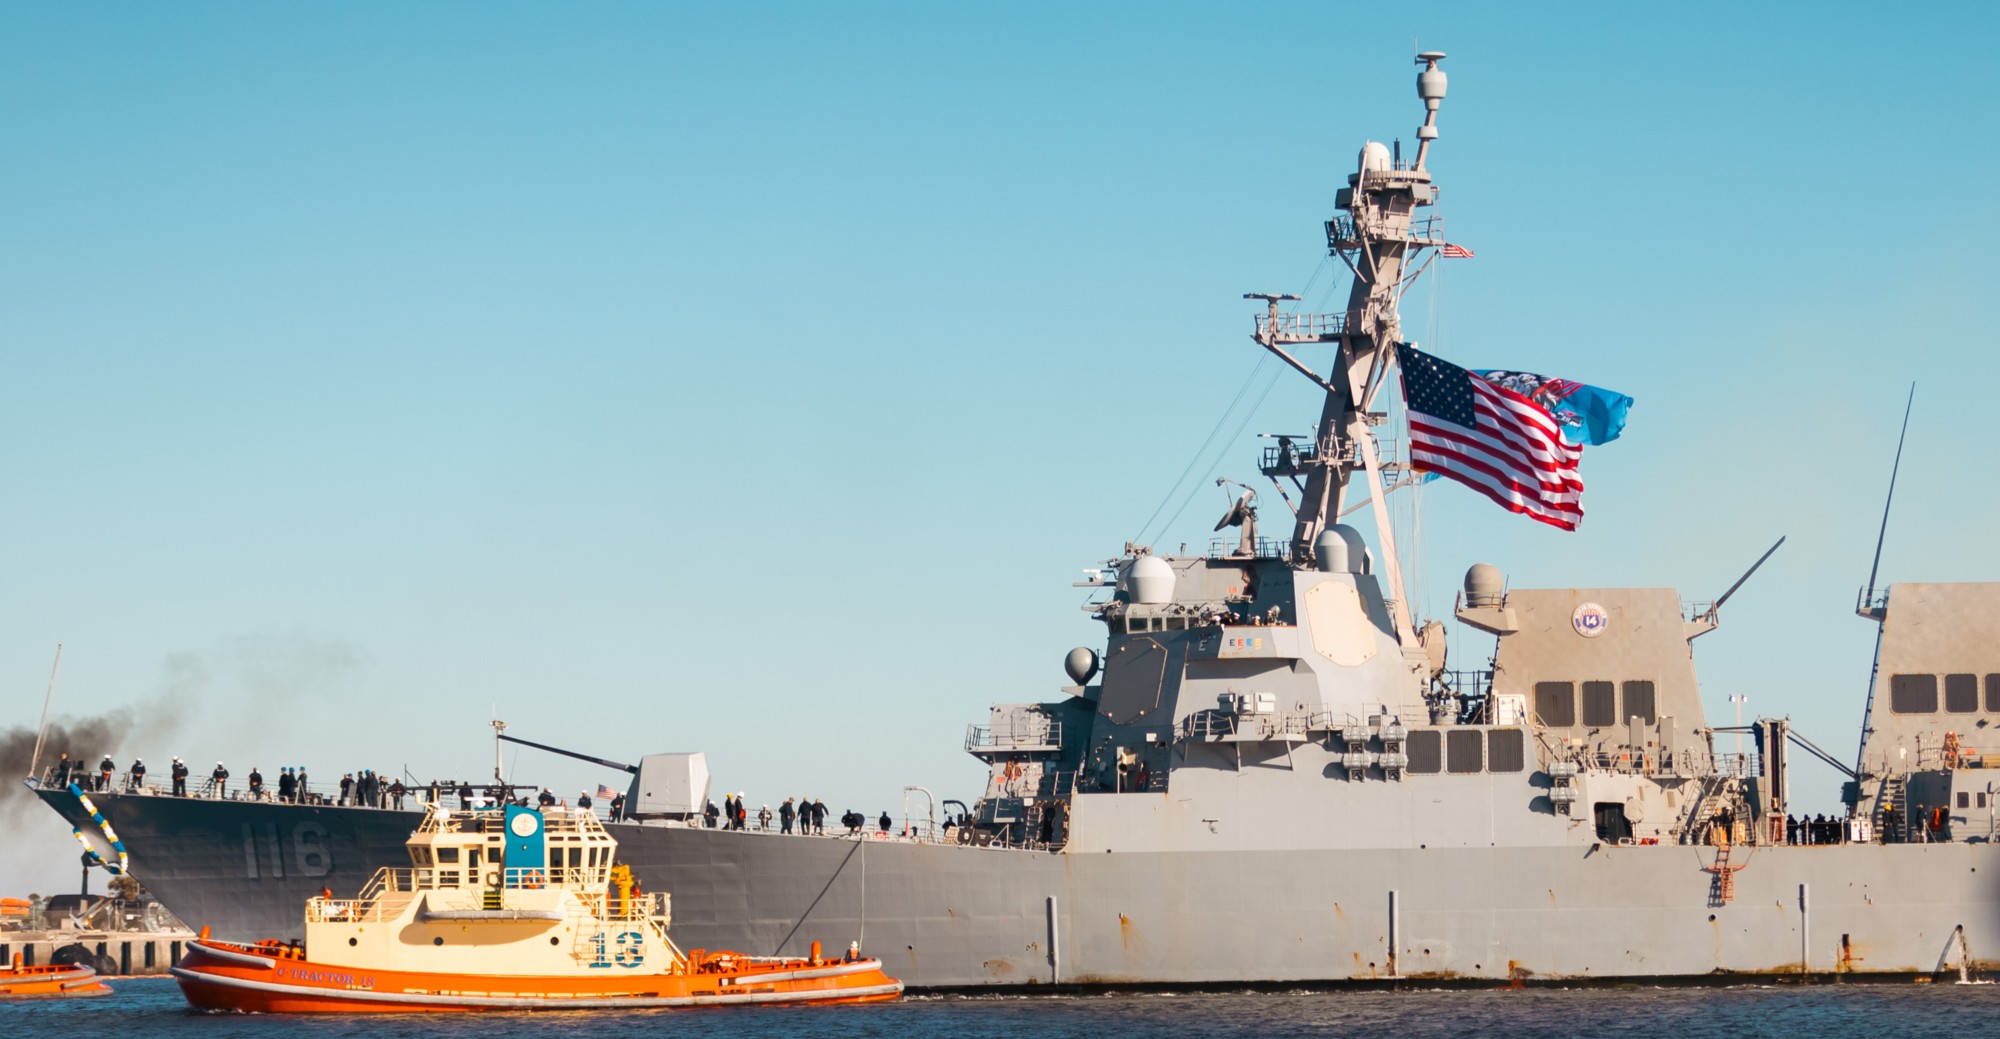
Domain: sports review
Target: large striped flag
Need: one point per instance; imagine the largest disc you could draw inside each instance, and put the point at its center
(1490, 439)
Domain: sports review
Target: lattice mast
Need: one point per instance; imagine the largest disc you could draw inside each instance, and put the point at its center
(1377, 235)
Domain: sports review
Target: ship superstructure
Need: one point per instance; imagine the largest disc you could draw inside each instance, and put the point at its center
(1269, 772)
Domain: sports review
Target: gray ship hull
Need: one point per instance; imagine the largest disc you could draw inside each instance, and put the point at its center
(950, 916)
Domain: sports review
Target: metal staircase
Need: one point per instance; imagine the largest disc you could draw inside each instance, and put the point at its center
(1892, 809)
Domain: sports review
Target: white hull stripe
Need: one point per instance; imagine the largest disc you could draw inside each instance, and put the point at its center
(243, 959)
(187, 976)
(82, 975)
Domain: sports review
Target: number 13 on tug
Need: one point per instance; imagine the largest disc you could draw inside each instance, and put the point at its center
(505, 909)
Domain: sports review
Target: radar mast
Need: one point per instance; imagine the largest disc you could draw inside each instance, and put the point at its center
(1376, 235)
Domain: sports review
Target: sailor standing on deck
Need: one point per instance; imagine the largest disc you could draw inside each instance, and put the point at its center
(138, 779)
(104, 770)
(180, 774)
(396, 792)
(221, 778)
(256, 784)
(288, 786)
(785, 815)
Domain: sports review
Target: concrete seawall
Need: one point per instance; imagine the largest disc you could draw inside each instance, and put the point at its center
(115, 953)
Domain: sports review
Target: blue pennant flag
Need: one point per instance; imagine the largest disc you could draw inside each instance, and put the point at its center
(1588, 414)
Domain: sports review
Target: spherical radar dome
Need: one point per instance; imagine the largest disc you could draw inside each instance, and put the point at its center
(1340, 550)
(1148, 579)
(1483, 585)
(1081, 664)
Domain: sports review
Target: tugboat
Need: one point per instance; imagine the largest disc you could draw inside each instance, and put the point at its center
(54, 981)
(505, 908)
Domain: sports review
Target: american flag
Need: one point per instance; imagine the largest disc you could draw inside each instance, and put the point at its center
(1456, 252)
(1490, 439)
(606, 792)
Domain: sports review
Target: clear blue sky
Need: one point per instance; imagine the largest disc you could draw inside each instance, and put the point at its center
(756, 380)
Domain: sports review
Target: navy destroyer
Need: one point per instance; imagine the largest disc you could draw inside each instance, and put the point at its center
(1559, 814)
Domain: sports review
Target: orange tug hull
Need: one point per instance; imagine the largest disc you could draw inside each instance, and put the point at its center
(53, 982)
(271, 978)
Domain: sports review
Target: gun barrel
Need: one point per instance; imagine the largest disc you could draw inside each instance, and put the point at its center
(606, 762)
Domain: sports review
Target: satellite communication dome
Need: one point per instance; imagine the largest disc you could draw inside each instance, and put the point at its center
(1148, 579)
(1340, 550)
(1375, 157)
(1081, 665)
(1483, 585)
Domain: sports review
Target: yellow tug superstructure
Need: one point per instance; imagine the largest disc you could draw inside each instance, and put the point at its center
(505, 908)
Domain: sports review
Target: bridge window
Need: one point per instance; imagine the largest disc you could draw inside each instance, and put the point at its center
(1913, 694)
(1600, 705)
(1639, 702)
(1555, 704)
(1504, 749)
(1961, 693)
(1462, 751)
(1426, 750)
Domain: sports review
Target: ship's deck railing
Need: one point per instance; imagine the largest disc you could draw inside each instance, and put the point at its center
(409, 879)
(364, 910)
(1033, 733)
(1424, 230)
(1301, 328)
(1265, 548)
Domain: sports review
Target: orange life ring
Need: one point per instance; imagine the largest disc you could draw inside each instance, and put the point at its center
(532, 879)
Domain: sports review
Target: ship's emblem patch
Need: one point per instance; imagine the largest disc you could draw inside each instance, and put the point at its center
(1590, 620)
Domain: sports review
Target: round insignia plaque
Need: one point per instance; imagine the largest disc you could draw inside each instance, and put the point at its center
(523, 825)
(1590, 620)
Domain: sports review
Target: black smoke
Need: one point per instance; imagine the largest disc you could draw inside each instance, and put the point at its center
(85, 739)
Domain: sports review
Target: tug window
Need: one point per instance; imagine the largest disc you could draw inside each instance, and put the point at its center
(1964, 799)
(1426, 750)
(1639, 702)
(1993, 693)
(1600, 705)
(1961, 693)
(1913, 694)
(447, 854)
(1555, 704)
(1503, 749)
(1462, 751)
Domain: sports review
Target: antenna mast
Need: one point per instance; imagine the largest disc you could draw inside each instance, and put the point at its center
(1375, 235)
(1868, 607)
(42, 730)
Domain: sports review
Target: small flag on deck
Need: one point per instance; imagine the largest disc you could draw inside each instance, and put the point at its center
(1490, 439)
(605, 791)
(1456, 252)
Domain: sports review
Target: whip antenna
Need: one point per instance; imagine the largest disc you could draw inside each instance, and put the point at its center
(1883, 534)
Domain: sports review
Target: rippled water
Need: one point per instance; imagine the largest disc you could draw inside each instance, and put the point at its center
(143, 1008)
